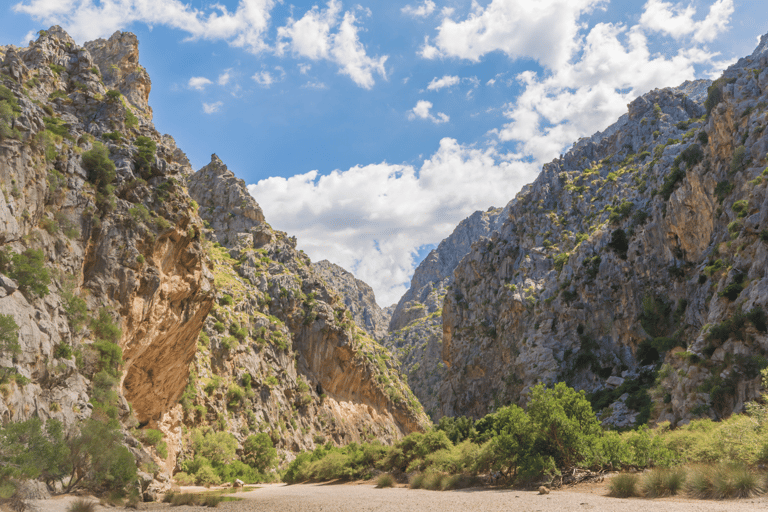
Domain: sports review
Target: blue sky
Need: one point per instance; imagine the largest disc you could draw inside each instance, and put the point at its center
(370, 129)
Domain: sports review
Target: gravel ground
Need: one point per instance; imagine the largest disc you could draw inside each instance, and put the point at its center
(365, 497)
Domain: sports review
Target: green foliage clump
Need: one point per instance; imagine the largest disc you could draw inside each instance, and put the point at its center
(259, 452)
(108, 335)
(28, 270)
(145, 155)
(560, 260)
(624, 485)
(741, 208)
(9, 342)
(101, 172)
(90, 457)
(734, 288)
(9, 109)
(739, 159)
(619, 243)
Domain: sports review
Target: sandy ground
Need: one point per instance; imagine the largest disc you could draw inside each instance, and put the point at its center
(365, 497)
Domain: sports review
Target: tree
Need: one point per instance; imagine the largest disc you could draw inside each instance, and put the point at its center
(29, 271)
(9, 340)
(259, 452)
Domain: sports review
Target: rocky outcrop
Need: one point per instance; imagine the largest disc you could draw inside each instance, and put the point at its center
(415, 335)
(118, 61)
(282, 337)
(644, 244)
(242, 335)
(357, 296)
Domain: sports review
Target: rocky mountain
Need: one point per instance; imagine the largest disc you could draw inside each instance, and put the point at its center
(633, 267)
(155, 294)
(358, 297)
(415, 330)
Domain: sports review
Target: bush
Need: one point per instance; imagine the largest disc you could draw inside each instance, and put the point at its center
(619, 243)
(259, 452)
(663, 482)
(207, 477)
(30, 273)
(145, 155)
(624, 485)
(82, 505)
(101, 170)
(385, 480)
(738, 159)
(150, 436)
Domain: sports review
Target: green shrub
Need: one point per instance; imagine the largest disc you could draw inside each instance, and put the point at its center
(741, 207)
(619, 243)
(259, 452)
(150, 436)
(82, 505)
(385, 480)
(101, 172)
(663, 482)
(739, 159)
(29, 271)
(145, 155)
(624, 485)
(113, 95)
(219, 327)
(226, 300)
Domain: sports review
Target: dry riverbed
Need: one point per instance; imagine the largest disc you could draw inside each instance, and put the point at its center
(364, 497)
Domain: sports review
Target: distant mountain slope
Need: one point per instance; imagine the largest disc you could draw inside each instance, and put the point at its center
(634, 267)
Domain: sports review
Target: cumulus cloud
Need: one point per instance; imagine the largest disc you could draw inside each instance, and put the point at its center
(324, 34)
(210, 108)
(372, 219)
(421, 111)
(419, 11)
(439, 83)
(677, 20)
(587, 94)
(224, 77)
(198, 82)
(319, 34)
(544, 30)
(266, 79)
(84, 19)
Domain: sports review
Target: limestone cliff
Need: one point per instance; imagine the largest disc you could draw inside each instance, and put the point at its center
(358, 297)
(415, 330)
(89, 182)
(633, 267)
(280, 353)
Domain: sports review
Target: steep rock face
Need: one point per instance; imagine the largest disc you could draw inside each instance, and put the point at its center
(131, 249)
(643, 244)
(118, 61)
(306, 374)
(416, 326)
(358, 297)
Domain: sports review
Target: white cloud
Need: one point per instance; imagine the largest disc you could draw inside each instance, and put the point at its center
(265, 78)
(224, 77)
(319, 34)
(210, 108)
(323, 34)
(677, 21)
(304, 68)
(198, 82)
(372, 219)
(314, 85)
(491, 81)
(428, 51)
(420, 11)
(544, 30)
(439, 83)
(421, 111)
(585, 95)
(85, 20)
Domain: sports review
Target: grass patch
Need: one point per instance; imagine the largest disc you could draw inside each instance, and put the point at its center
(624, 485)
(385, 480)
